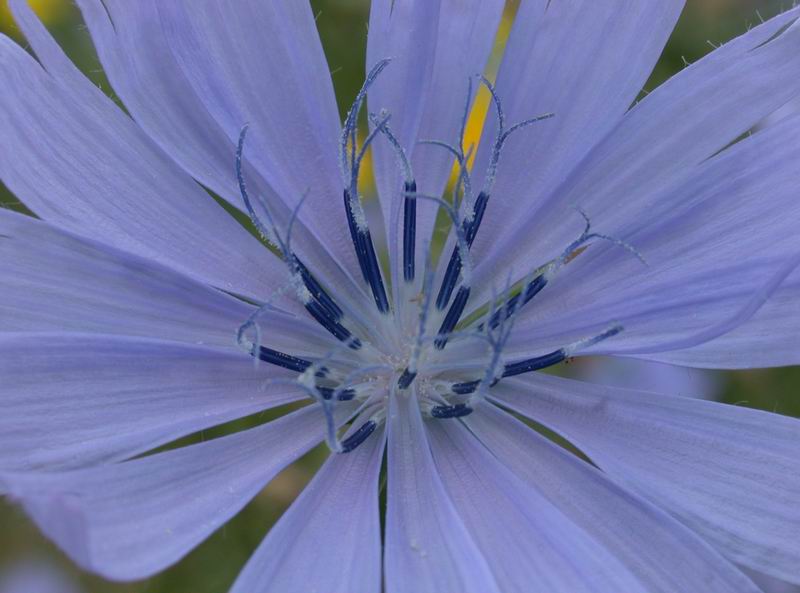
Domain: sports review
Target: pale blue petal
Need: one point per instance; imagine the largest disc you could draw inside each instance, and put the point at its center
(428, 549)
(72, 400)
(435, 47)
(665, 555)
(330, 538)
(135, 52)
(144, 73)
(730, 473)
(790, 108)
(52, 280)
(722, 242)
(192, 76)
(260, 63)
(584, 61)
(622, 183)
(405, 33)
(647, 375)
(529, 544)
(770, 584)
(130, 520)
(79, 162)
(769, 338)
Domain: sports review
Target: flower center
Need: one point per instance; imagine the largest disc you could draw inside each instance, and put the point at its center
(405, 347)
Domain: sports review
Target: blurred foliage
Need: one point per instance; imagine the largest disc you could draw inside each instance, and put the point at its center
(212, 567)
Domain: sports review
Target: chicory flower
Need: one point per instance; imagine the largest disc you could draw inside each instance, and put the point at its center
(135, 310)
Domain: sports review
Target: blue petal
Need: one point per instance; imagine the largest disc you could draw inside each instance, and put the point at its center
(585, 61)
(662, 553)
(623, 181)
(52, 280)
(192, 78)
(73, 400)
(772, 585)
(647, 375)
(768, 339)
(720, 245)
(436, 46)
(428, 548)
(529, 544)
(330, 538)
(730, 473)
(79, 162)
(130, 520)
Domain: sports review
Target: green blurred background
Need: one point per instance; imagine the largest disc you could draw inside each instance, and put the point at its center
(212, 567)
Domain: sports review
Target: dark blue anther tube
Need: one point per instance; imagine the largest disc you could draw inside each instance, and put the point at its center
(375, 279)
(355, 235)
(406, 379)
(534, 364)
(515, 368)
(409, 231)
(317, 291)
(280, 359)
(452, 317)
(454, 411)
(470, 229)
(367, 260)
(344, 396)
(512, 305)
(340, 332)
(287, 361)
(325, 392)
(359, 436)
(465, 388)
(478, 210)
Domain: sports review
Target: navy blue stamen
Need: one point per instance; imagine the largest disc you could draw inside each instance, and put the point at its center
(375, 278)
(515, 368)
(351, 160)
(409, 230)
(287, 361)
(470, 229)
(350, 126)
(535, 286)
(452, 317)
(325, 392)
(322, 308)
(471, 225)
(355, 235)
(478, 210)
(323, 317)
(454, 411)
(465, 388)
(513, 304)
(317, 291)
(359, 436)
(406, 379)
(344, 396)
(534, 364)
(502, 133)
(381, 125)
(367, 260)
